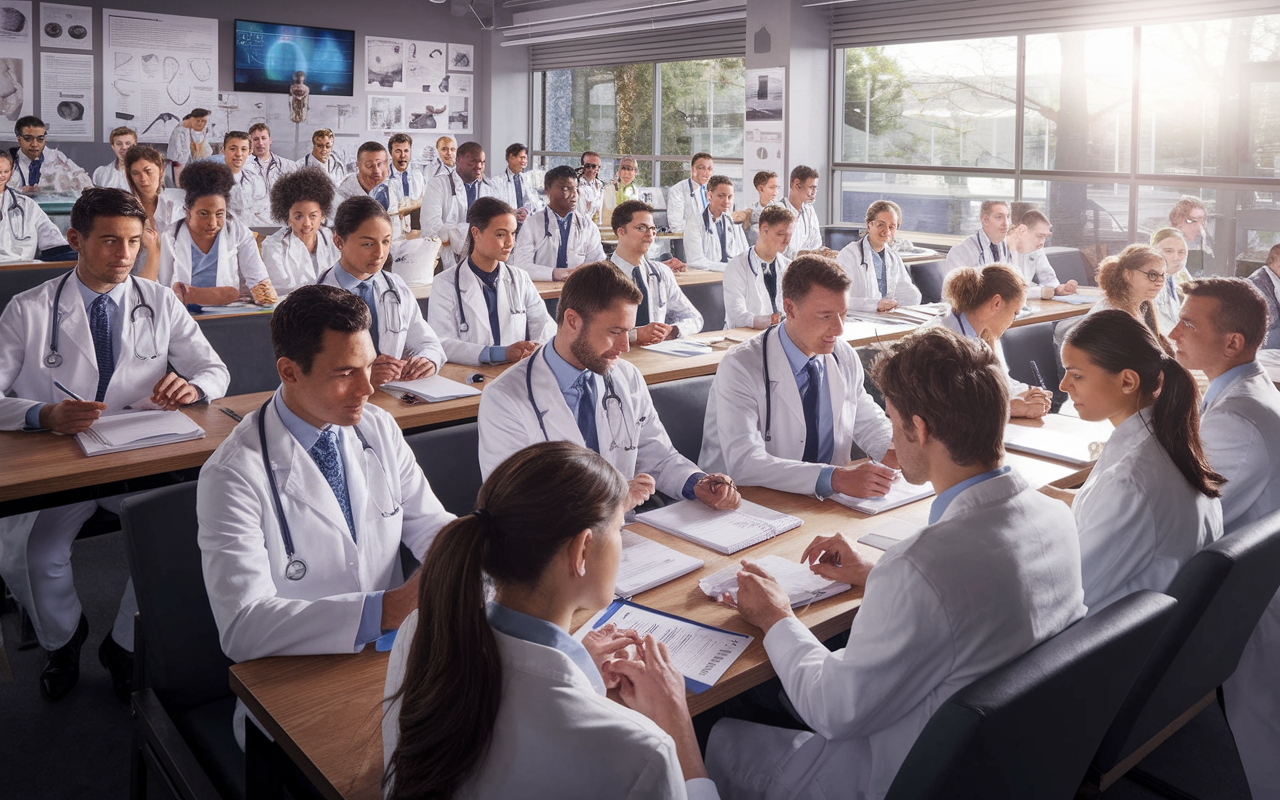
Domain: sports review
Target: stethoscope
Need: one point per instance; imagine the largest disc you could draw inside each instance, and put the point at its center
(389, 295)
(513, 299)
(53, 359)
(982, 254)
(295, 568)
(972, 334)
(768, 397)
(576, 222)
(658, 285)
(16, 233)
(610, 393)
(265, 172)
(752, 258)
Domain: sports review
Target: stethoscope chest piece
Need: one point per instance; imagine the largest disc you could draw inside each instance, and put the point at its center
(296, 570)
(53, 360)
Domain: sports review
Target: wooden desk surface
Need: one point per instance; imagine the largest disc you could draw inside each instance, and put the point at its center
(51, 265)
(550, 290)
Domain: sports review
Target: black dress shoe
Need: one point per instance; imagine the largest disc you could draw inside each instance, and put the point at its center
(62, 669)
(119, 662)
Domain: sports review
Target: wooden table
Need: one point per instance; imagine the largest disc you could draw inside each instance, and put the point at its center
(13, 266)
(550, 290)
(325, 711)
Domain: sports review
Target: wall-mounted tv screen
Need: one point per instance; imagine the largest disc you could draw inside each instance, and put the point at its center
(270, 56)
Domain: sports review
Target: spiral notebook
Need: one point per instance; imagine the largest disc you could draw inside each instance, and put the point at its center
(723, 531)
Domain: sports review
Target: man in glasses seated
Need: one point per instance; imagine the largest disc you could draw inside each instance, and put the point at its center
(37, 167)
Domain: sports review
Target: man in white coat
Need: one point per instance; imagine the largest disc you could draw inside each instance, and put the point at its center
(689, 196)
(807, 233)
(753, 280)
(996, 572)
(26, 232)
(878, 280)
(664, 313)
(322, 156)
(560, 237)
(449, 196)
(578, 389)
(187, 143)
(787, 407)
(305, 505)
(591, 188)
(250, 204)
(1026, 242)
(406, 176)
(515, 187)
(261, 171)
(39, 168)
(715, 238)
(1223, 323)
(988, 245)
(446, 151)
(111, 345)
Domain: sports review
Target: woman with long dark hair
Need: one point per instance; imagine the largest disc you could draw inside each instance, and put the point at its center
(1151, 501)
(499, 701)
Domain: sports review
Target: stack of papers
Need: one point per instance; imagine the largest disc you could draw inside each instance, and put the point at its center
(131, 431)
(433, 389)
(1078, 450)
(888, 532)
(798, 581)
(646, 564)
(900, 493)
(680, 348)
(902, 315)
(723, 531)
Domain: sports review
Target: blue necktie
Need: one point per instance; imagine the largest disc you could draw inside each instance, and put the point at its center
(1173, 293)
(995, 253)
(519, 191)
(404, 182)
(325, 453)
(771, 283)
(809, 401)
(882, 269)
(33, 173)
(471, 188)
(365, 290)
(383, 195)
(587, 411)
(100, 327)
(562, 253)
(642, 313)
(702, 195)
(724, 249)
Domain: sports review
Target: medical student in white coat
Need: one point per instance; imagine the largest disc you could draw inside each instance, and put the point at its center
(26, 232)
(207, 257)
(803, 189)
(878, 280)
(987, 246)
(449, 196)
(145, 169)
(303, 508)
(486, 312)
(39, 168)
(115, 174)
(787, 407)
(576, 388)
(371, 179)
(688, 197)
(187, 143)
(1172, 245)
(591, 188)
(406, 176)
(765, 183)
(983, 303)
(111, 343)
(1151, 501)
(715, 238)
(1223, 323)
(407, 347)
(555, 240)
(515, 187)
(995, 572)
(264, 167)
(753, 280)
(322, 156)
(547, 532)
(1026, 242)
(665, 312)
(1131, 282)
(295, 255)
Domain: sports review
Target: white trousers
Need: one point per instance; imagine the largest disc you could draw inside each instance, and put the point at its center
(749, 761)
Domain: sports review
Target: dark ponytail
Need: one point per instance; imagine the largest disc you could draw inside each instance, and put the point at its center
(533, 503)
(482, 212)
(1115, 341)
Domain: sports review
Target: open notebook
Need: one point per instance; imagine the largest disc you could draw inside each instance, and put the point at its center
(723, 531)
(900, 493)
(800, 583)
(131, 431)
(432, 390)
(646, 564)
(1073, 449)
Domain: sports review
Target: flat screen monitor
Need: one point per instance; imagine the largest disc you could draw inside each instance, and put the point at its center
(269, 57)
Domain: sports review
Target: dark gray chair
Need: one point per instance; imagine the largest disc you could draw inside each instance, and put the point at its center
(708, 298)
(1028, 729)
(682, 407)
(1034, 343)
(838, 236)
(928, 279)
(16, 281)
(450, 457)
(1070, 265)
(243, 342)
(1221, 595)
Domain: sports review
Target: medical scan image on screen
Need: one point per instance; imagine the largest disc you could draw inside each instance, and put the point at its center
(268, 56)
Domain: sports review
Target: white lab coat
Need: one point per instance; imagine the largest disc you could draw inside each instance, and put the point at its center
(702, 242)
(1034, 268)
(667, 301)
(951, 320)
(239, 262)
(507, 190)
(186, 145)
(996, 575)
(522, 315)
(753, 230)
(539, 242)
(1139, 519)
(350, 187)
(332, 167)
(554, 736)
(402, 328)
(25, 230)
(444, 214)
(25, 381)
(975, 251)
(58, 173)
(290, 264)
(684, 199)
(108, 176)
(250, 200)
(746, 298)
(509, 422)
(733, 431)
(170, 207)
(1168, 308)
(591, 199)
(806, 233)
(864, 290)
(271, 170)
(417, 184)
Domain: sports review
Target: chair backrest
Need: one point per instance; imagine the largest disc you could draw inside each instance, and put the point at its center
(450, 457)
(708, 298)
(1029, 728)
(928, 279)
(16, 281)
(1069, 264)
(243, 342)
(1027, 343)
(837, 236)
(682, 407)
(1221, 593)
(185, 664)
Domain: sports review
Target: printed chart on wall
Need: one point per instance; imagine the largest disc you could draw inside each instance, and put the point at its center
(157, 68)
(68, 27)
(66, 96)
(434, 77)
(17, 68)
(765, 123)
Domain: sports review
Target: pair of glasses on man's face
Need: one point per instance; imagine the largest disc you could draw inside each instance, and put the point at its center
(28, 138)
(586, 167)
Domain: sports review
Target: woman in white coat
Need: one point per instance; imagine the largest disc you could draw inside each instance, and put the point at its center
(879, 281)
(407, 347)
(500, 701)
(484, 311)
(1151, 501)
(206, 257)
(25, 230)
(1172, 246)
(144, 169)
(753, 280)
(115, 175)
(296, 254)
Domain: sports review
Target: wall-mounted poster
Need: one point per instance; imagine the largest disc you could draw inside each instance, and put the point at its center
(459, 85)
(17, 69)
(156, 68)
(427, 112)
(386, 113)
(764, 131)
(66, 96)
(424, 65)
(384, 63)
(69, 27)
(461, 57)
(460, 114)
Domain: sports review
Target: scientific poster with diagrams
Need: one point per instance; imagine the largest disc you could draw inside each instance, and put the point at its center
(461, 57)
(156, 67)
(384, 63)
(66, 96)
(764, 131)
(17, 68)
(68, 27)
(386, 113)
(424, 65)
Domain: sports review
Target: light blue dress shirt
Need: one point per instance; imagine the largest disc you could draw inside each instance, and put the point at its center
(1218, 384)
(942, 501)
(539, 631)
(826, 421)
(204, 266)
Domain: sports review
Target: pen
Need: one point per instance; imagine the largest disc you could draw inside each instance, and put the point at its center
(231, 413)
(1035, 370)
(67, 391)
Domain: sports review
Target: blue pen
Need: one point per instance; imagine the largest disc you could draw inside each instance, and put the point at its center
(1039, 378)
(57, 385)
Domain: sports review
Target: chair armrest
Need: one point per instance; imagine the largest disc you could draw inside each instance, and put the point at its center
(158, 739)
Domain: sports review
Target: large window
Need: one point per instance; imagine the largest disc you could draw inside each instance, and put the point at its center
(1051, 120)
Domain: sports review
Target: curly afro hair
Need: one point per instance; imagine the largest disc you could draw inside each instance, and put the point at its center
(299, 186)
(205, 179)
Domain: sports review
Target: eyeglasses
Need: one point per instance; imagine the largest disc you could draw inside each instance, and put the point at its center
(28, 138)
(1154, 276)
(643, 229)
(590, 166)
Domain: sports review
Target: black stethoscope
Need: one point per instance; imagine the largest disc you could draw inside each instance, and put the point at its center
(576, 222)
(295, 568)
(960, 321)
(17, 206)
(610, 393)
(266, 172)
(768, 397)
(657, 283)
(390, 292)
(982, 254)
(53, 359)
(512, 298)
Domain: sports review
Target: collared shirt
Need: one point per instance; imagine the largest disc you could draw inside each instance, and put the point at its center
(755, 260)
(24, 166)
(966, 327)
(943, 500)
(1275, 279)
(204, 266)
(539, 631)
(497, 352)
(984, 249)
(797, 360)
(473, 191)
(352, 284)
(1220, 383)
